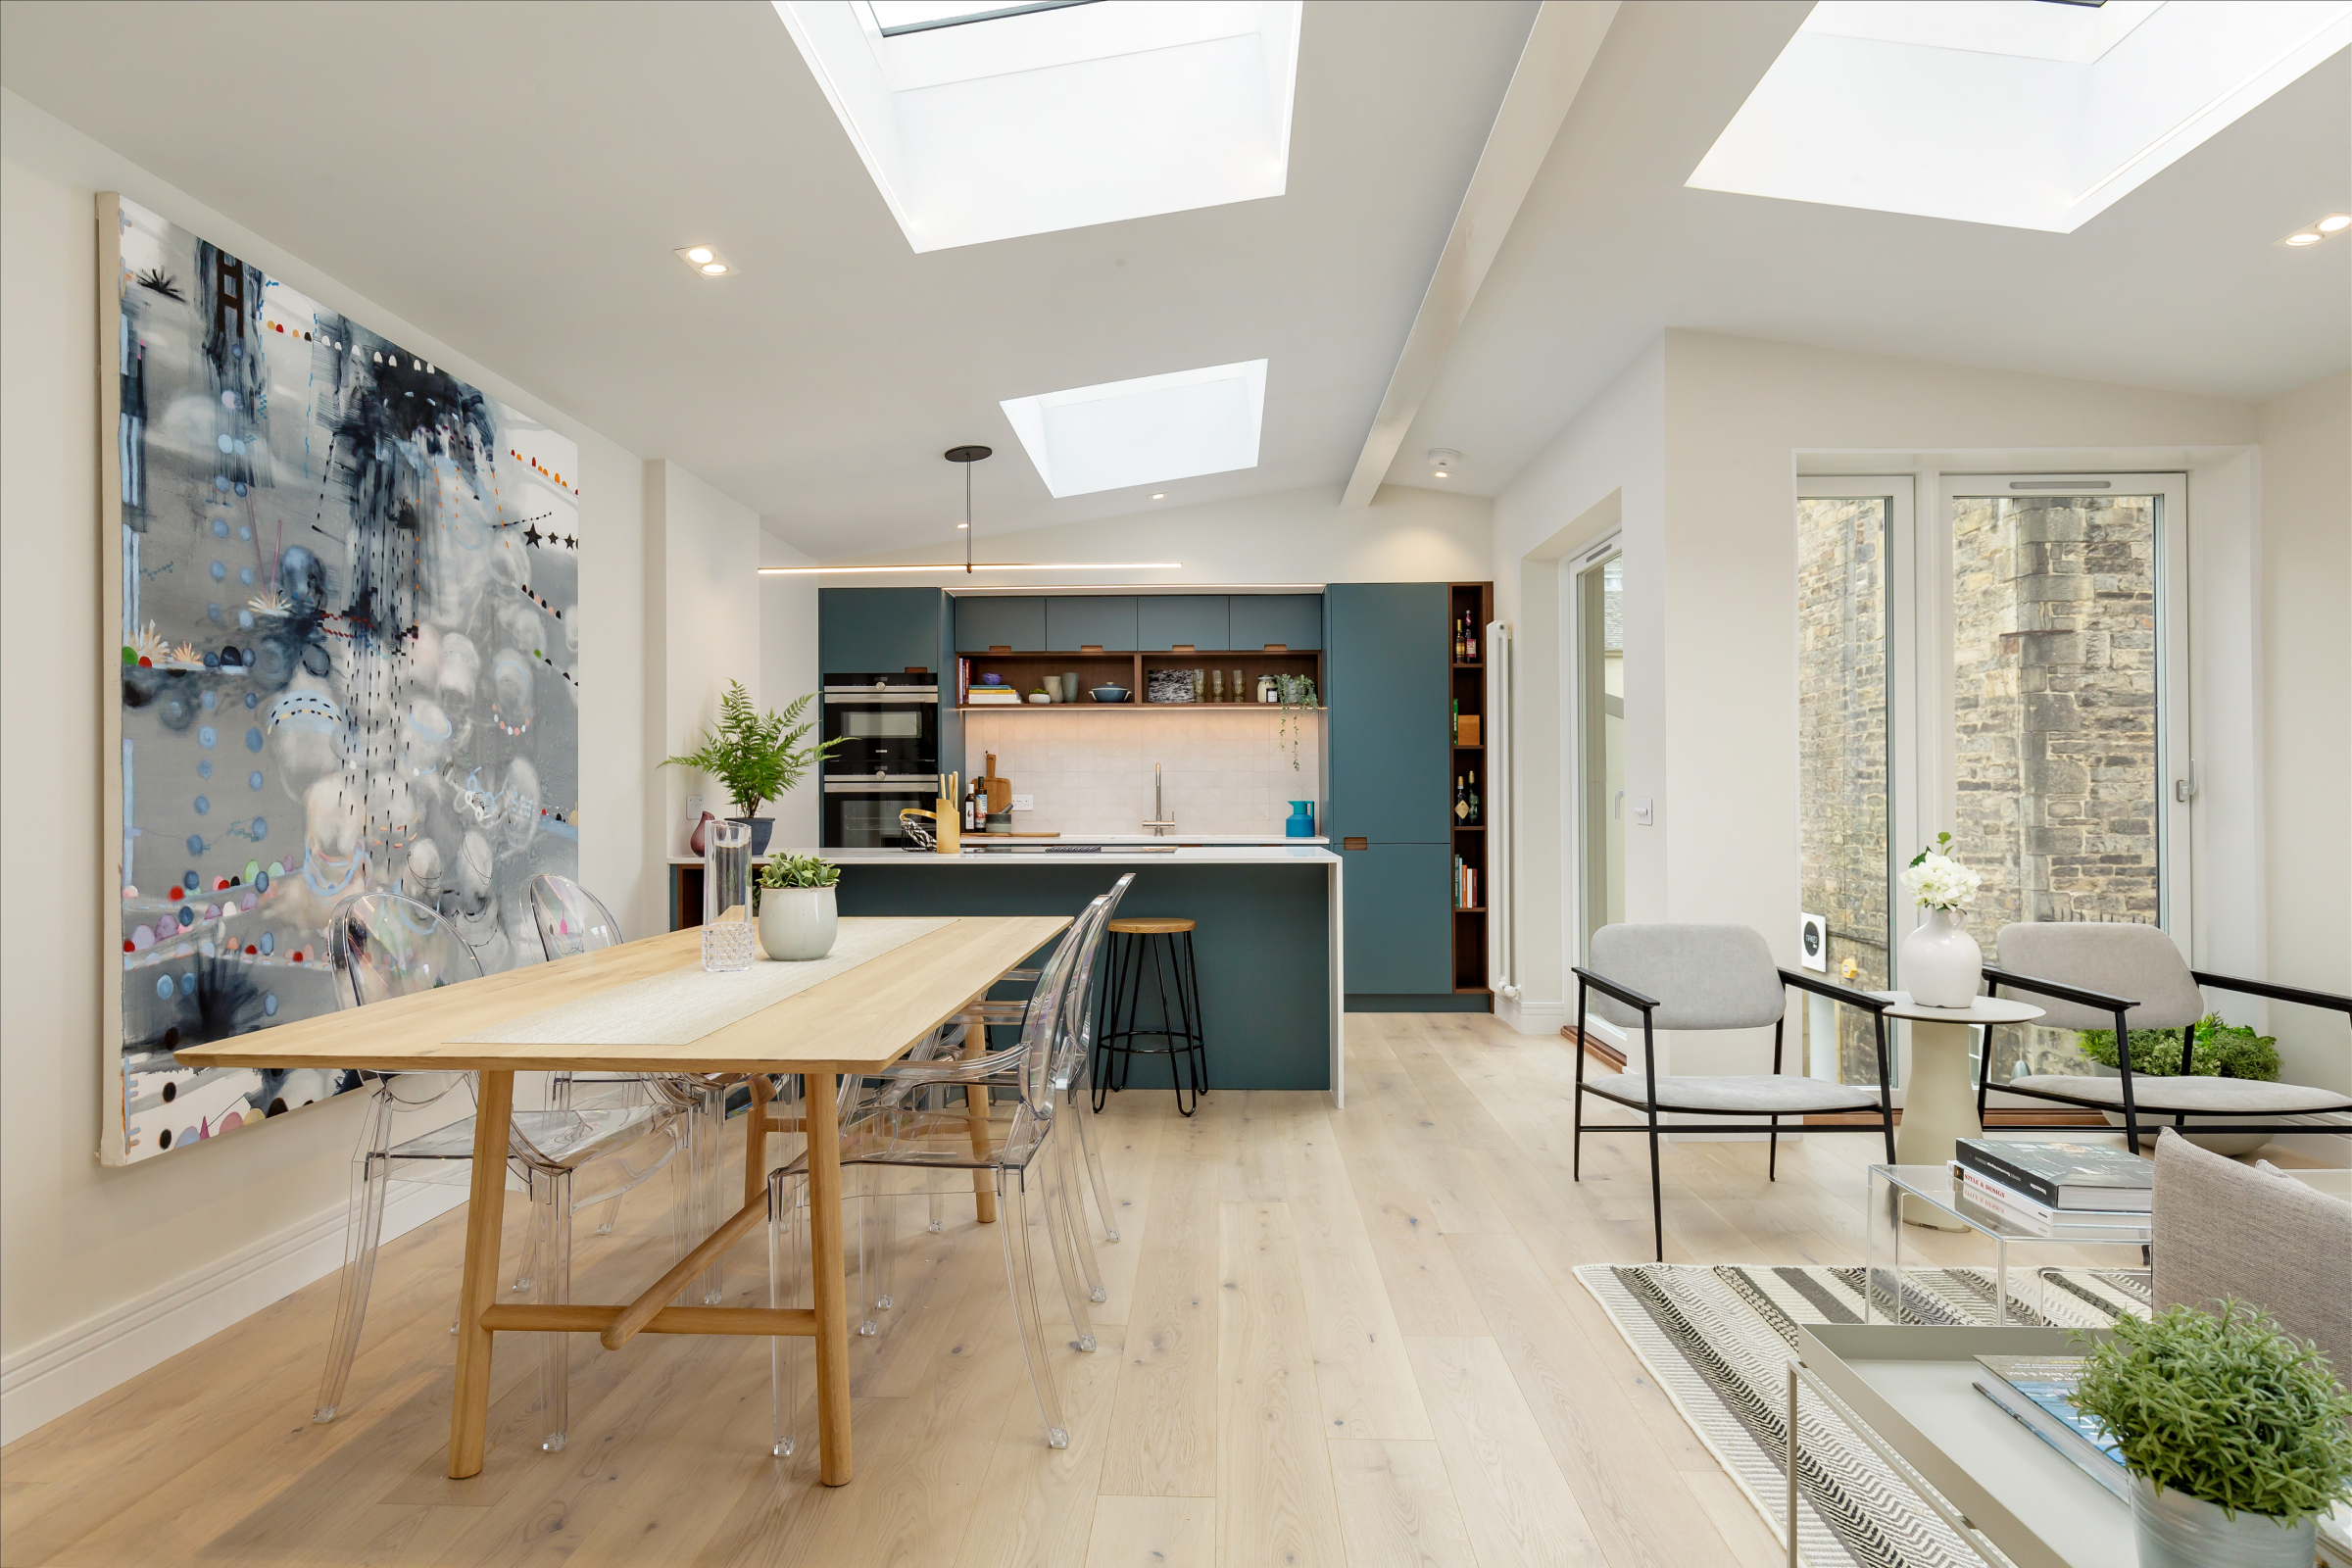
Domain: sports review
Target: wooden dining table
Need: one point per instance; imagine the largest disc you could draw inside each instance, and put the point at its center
(856, 1021)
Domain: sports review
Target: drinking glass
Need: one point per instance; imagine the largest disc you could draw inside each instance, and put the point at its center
(729, 944)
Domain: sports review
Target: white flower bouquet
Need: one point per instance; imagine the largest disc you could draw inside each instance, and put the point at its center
(1937, 881)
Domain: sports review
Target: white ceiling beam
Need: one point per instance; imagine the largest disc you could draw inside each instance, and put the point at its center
(1551, 66)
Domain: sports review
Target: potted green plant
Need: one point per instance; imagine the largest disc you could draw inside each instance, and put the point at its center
(2234, 1434)
(794, 906)
(2219, 1050)
(754, 757)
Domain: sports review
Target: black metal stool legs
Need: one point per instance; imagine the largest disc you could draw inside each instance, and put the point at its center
(1176, 990)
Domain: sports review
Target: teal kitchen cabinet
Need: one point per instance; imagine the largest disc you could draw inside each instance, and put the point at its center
(1013, 621)
(1296, 620)
(1092, 621)
(1399, 901)
(1385, 674)
(1165, 620)
(879, 630)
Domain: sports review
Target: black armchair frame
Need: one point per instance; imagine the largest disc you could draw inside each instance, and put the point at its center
(2119, 1008)
(1587, 982)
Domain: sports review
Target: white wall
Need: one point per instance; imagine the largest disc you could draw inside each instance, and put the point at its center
(703, 608)
(2306, 711)
(787, 669)
(103, 1272)
(1407, 535)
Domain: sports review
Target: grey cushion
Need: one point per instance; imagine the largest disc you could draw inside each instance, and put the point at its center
(1763, 1094)
(2220, 1094)
(2223, 1229)
(2138, 962)
(1703, 976)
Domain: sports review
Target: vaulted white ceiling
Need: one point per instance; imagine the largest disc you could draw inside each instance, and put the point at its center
(514, 177)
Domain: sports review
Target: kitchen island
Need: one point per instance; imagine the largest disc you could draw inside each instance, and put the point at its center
(1268, 941)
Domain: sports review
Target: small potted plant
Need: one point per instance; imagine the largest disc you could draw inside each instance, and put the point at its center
(2221, 1050)
(1939, 963)
(2234, 1434)
(753, 756)
(794, 906)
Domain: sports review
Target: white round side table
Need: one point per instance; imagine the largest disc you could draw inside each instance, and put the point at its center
(1939, 1103)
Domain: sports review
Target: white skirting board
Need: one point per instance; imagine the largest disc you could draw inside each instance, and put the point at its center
(43, 1381)
(1533, 1017)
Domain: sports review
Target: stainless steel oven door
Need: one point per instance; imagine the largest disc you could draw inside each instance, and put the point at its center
(864, 813)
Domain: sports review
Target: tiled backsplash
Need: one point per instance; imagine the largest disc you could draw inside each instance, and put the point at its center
(1225, 771)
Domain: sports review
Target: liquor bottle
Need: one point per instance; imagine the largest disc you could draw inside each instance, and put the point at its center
(1471, 801)
(1470, 639)
(1461, 802)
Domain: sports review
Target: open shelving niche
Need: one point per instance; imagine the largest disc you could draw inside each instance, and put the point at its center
(1095, 668)
(1468, 682)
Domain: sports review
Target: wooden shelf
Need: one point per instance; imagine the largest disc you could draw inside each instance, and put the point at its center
(1473, 602)
(1458, 665)
(1473, 909)
(1469, 827)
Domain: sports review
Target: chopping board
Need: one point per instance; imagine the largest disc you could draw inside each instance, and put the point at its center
(1000, 794)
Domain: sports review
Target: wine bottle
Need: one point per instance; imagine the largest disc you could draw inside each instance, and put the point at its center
(1461, 802)
(1470, 639)
(1472, 800)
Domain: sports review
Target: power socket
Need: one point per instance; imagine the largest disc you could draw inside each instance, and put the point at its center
(694, 806)
(1024, 803)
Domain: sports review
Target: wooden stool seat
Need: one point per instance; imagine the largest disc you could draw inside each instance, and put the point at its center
(1152, 925)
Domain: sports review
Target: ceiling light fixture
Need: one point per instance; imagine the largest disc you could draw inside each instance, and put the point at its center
(2307, 237)
(983, 565)
(1443, 460)
(967, 455)
(1160, 495)
(703, 261)
(2333, 221)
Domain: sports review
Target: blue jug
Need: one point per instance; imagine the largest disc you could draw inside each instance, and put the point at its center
(1300, 823)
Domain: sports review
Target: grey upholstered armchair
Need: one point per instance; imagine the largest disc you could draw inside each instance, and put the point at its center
(2096, 975)
(1709, 977)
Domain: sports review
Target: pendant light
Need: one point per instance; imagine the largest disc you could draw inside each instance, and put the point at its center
(967, 455)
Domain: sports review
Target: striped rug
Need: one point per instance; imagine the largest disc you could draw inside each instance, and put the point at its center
(1718, 1341)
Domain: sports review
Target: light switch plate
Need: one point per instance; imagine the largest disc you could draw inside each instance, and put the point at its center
(1642, 811)
(1024, 803)
(694, 806)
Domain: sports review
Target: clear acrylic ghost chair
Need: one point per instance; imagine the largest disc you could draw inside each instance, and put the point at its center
(879, 1141)
(573, 921)
(877, 1228)
(384, 945)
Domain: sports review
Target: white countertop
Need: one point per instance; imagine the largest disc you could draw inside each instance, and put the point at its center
(1111, 842)
(1118, 854)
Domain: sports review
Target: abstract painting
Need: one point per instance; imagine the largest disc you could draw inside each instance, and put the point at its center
(346, 589)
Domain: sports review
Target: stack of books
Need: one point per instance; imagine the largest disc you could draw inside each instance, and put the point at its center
(2039, 1186)
(2039, 1390)
(1465, 884)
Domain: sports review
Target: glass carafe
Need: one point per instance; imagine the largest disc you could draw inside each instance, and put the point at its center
(729, 944)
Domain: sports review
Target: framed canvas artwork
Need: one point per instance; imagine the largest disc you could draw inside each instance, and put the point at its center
(342, 596)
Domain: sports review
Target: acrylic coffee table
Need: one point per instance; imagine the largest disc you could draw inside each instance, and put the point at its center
(1939, 1103)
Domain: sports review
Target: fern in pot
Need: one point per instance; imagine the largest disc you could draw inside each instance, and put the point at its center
(753, 757)
(2234, 1433)
(792, 904)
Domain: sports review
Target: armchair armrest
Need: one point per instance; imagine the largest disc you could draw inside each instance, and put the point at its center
(2263, 988)
(1625, 994)
(2052, 988)
(1851, 998)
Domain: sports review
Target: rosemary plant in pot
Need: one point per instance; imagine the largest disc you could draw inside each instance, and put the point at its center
(753, 756)
(2234, 1433)
(792, 904)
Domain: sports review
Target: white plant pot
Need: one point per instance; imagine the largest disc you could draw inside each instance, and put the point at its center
(1942, 964)
(2178, 1531)
(796, 924)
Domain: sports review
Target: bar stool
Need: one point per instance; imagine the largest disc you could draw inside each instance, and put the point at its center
(1165, 943)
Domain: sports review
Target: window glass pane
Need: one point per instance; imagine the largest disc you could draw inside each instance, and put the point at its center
(1841, 766)
(1601, 671)
(2054, 706)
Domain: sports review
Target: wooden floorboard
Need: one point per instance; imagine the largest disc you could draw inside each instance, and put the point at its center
(1333, 1337)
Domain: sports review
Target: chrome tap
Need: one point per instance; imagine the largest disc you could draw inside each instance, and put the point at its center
(1161, 821)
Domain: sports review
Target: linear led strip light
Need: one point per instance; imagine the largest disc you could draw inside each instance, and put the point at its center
(984, 565)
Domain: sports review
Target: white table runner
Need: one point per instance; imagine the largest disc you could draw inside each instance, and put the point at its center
(682, 1006)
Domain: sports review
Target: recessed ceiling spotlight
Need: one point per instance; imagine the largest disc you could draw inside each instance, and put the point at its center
(1160, 495)
(702, 259)
(2307, 237)
(1441, 462)
(2333, 221)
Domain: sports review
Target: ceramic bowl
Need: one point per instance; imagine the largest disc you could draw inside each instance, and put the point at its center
(1109, 694)
(1039, 697)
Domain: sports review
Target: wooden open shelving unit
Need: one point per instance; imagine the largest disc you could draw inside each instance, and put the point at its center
(1025, 670)
(1468, 682)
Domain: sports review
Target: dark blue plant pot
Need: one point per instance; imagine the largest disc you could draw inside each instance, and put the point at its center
(762, 829)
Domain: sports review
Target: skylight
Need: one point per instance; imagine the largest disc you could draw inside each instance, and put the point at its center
(2027, 113)
(981, 122)
(1145, 431)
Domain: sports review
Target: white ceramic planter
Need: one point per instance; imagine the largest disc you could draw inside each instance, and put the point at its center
(1942, 964)
(2178, 1531)
(796, 924)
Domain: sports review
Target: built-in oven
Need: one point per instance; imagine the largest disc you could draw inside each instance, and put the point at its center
(863, 814)
(887, 725)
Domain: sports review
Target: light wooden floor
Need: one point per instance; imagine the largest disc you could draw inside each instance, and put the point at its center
(1333, 1337)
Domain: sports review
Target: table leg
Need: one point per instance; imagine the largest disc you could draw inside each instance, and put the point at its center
(755, 1141)
(975, 1110)
(1940, 1107)
(821, 1112)
(486, 1213)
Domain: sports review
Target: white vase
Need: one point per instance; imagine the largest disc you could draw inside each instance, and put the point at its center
(2178, 1531)
(1941, 966)
(796, 924)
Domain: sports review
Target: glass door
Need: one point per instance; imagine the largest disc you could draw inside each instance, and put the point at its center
(1600, 739)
